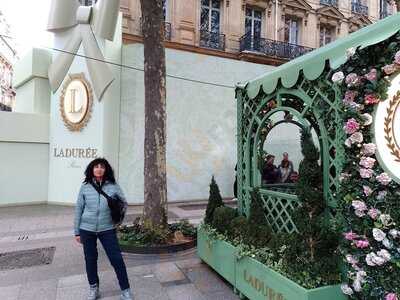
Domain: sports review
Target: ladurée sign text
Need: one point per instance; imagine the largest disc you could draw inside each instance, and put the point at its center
(262, 287)
(75, 152)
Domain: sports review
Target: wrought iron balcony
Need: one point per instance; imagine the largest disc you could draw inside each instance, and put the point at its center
(167, 31)
(271, 47)
(4, 107)
(384, 14)
(212, 40)
(329, 2)
(358, 8)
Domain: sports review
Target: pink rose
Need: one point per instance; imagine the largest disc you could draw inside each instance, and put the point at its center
(389, 69)
(352, 79)
(397, 58)
(368, 149)
(351, 259)
(350, 236)
(357, 137)
(373, 213)
(371, 99)
(391, 296)
(351, 126)
(366, 173)
(367, 190)
(367, 162)
(383, 178)
(359, 213)
(372, 75)
(362, 244)
(349, 97)
(381, 195)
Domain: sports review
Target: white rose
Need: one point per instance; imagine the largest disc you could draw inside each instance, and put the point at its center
(368, 259)
(350, 52)
(378, 234)
(384, 254)
(337, 77)
(394, 233)
(357, 285)
(385, 219)
(387, 243)
(346, 289)
(367, 119)
(378, 260)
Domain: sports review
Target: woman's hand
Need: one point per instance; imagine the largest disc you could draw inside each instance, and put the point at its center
(78, 239)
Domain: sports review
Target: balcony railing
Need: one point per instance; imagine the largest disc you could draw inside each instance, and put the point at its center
(358, 8)
(329, 2)
(167, 31)
(384, 14)
(4, 107)
(212, 40)
(271, 47)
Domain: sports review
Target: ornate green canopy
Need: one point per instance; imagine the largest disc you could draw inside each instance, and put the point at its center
(300, 90)
(313, 64)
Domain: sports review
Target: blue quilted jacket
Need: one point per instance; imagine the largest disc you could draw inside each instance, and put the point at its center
(91, 211)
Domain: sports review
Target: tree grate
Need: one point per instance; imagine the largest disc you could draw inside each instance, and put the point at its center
(26, 258)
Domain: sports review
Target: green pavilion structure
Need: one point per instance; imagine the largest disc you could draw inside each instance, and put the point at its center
(328, 92)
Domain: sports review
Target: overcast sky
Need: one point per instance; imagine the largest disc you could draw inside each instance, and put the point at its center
(28, 20)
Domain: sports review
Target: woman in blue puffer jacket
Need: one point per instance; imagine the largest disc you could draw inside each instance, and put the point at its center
(93, 221)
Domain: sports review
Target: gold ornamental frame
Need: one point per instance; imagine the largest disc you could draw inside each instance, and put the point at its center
(85, 119)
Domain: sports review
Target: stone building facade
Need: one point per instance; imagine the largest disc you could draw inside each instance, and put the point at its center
(8, 56)
(262, 31)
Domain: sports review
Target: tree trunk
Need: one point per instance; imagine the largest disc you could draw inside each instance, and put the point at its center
(155, 183)
(398, 5)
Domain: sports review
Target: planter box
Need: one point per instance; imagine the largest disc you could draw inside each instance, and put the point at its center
(219, 255)
(255, 280)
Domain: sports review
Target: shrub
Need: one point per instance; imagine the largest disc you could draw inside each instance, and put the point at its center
(223, 216)
(238, 228)
(185, 227)
(313, 249)
(259, 231)
(214, 201)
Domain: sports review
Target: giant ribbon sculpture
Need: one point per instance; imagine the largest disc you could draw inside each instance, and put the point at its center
(83, 24)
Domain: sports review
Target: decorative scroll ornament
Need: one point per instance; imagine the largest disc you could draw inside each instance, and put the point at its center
(391, 141)
(83, 24)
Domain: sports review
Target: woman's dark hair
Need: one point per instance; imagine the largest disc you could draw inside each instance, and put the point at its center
(108, 174)
(285, 164)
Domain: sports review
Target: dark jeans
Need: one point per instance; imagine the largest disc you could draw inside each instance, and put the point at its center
(110, 244)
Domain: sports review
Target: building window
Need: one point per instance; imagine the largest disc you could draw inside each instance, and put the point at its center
(210, 16)
(386, 8)
(210, 36)
(292, 31)
(253, 22)
(165, 10)
(87, 2)
(325, 35)
(359, 7)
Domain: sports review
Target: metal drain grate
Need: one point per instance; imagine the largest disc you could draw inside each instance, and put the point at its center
(26, 258)
(23, 238)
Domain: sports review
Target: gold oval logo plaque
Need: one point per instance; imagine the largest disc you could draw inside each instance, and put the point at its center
(76, 102)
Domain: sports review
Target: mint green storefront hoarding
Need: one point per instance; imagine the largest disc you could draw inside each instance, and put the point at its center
(254, 280)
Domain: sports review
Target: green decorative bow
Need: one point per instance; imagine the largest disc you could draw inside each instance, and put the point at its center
(83, 24)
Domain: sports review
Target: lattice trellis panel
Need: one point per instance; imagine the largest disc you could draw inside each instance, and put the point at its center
(318, 103)
(278, 211)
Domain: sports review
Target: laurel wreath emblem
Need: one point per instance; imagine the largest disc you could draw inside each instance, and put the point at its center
(389, 127)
